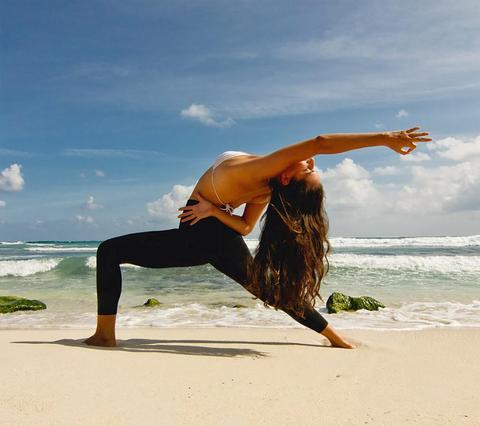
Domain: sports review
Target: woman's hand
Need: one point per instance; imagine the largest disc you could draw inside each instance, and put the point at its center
(199, 211)
(404, 139)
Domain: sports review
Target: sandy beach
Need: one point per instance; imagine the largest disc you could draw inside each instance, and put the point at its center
(239, 376)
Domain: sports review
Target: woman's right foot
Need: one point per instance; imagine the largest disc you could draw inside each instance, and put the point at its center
(97, 340)
(104, 333)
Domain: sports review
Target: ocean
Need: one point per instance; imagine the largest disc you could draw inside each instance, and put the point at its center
(424, 282)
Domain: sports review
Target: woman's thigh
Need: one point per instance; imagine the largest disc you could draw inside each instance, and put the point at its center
(233, 258)
(156, 249)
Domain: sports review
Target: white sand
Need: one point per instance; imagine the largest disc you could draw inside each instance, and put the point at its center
(225, 376)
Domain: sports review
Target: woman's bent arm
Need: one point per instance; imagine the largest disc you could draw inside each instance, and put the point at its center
(242, 224)
(238, 223)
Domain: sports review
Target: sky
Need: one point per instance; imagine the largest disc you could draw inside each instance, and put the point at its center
(110, 111)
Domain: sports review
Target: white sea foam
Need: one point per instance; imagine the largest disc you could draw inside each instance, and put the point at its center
(444, 264)
(23, 268)
(413, 316)
(467, 241)
(341, 242)
(62, 249)
(92, 263)
(407, 317)
(7, 243)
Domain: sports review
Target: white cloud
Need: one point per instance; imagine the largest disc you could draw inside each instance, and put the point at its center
(361, 57)
(379, 126)
(99, 173)
(204, 115)
(348, 186)
(434, 190)
(83, 175)
(402, 113)
(2, 203)
(92, 206)
(10, 152)
(422, 191)
(387, 170)
(86, 219)
(456, 149)
(415, 158)
(167, 206)
(11, 179)
(347, 169)
(335, 47)
(136, 221)
(433, 200)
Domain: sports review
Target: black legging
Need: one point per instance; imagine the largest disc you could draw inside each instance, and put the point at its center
(208, 241)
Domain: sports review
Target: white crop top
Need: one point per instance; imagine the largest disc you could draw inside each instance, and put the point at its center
(219, 160)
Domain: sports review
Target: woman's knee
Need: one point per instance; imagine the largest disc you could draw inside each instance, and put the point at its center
(107, 249)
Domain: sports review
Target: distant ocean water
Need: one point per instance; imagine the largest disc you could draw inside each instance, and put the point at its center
(424, 282)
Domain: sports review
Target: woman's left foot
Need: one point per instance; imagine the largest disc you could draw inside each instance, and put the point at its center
(343, 344)
(96, 340)
(337, 340)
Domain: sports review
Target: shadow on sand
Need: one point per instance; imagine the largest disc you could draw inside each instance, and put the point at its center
(179, 347)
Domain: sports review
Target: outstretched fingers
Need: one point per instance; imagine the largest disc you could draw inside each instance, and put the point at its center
(417, 136)
(412, 129)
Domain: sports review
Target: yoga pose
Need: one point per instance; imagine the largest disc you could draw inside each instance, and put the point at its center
(291, 259)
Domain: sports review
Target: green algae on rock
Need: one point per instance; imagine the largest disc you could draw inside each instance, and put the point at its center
(10, 304)
(338, 302)
(239, 306)
(152, 302)
(366, 302)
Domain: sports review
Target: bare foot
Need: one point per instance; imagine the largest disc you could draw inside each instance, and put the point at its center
(337, 340)
(344, 343)
(105, 333)
(97, 340)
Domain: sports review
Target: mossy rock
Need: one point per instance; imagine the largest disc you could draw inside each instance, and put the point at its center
(339, 302)
(366, 302)
(240, 306)
(152, 302)
(10, 304)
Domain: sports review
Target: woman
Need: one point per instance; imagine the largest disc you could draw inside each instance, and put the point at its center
(288, 267)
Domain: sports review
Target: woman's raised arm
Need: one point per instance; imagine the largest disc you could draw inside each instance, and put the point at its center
(401, 141)
(271, 165)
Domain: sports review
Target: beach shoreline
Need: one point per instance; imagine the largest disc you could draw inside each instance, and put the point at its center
(423, 282)
(240, 376)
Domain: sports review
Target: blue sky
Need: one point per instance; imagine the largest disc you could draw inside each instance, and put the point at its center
(111, 110)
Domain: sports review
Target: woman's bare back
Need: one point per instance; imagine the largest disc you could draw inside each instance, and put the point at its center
(233, 183)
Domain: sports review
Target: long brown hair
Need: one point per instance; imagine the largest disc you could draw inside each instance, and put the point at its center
(288, 266)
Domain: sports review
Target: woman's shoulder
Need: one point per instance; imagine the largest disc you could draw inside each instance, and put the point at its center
(227, 155)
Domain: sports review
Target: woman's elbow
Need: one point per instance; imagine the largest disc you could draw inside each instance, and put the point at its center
(324, 145)
(246, 231)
